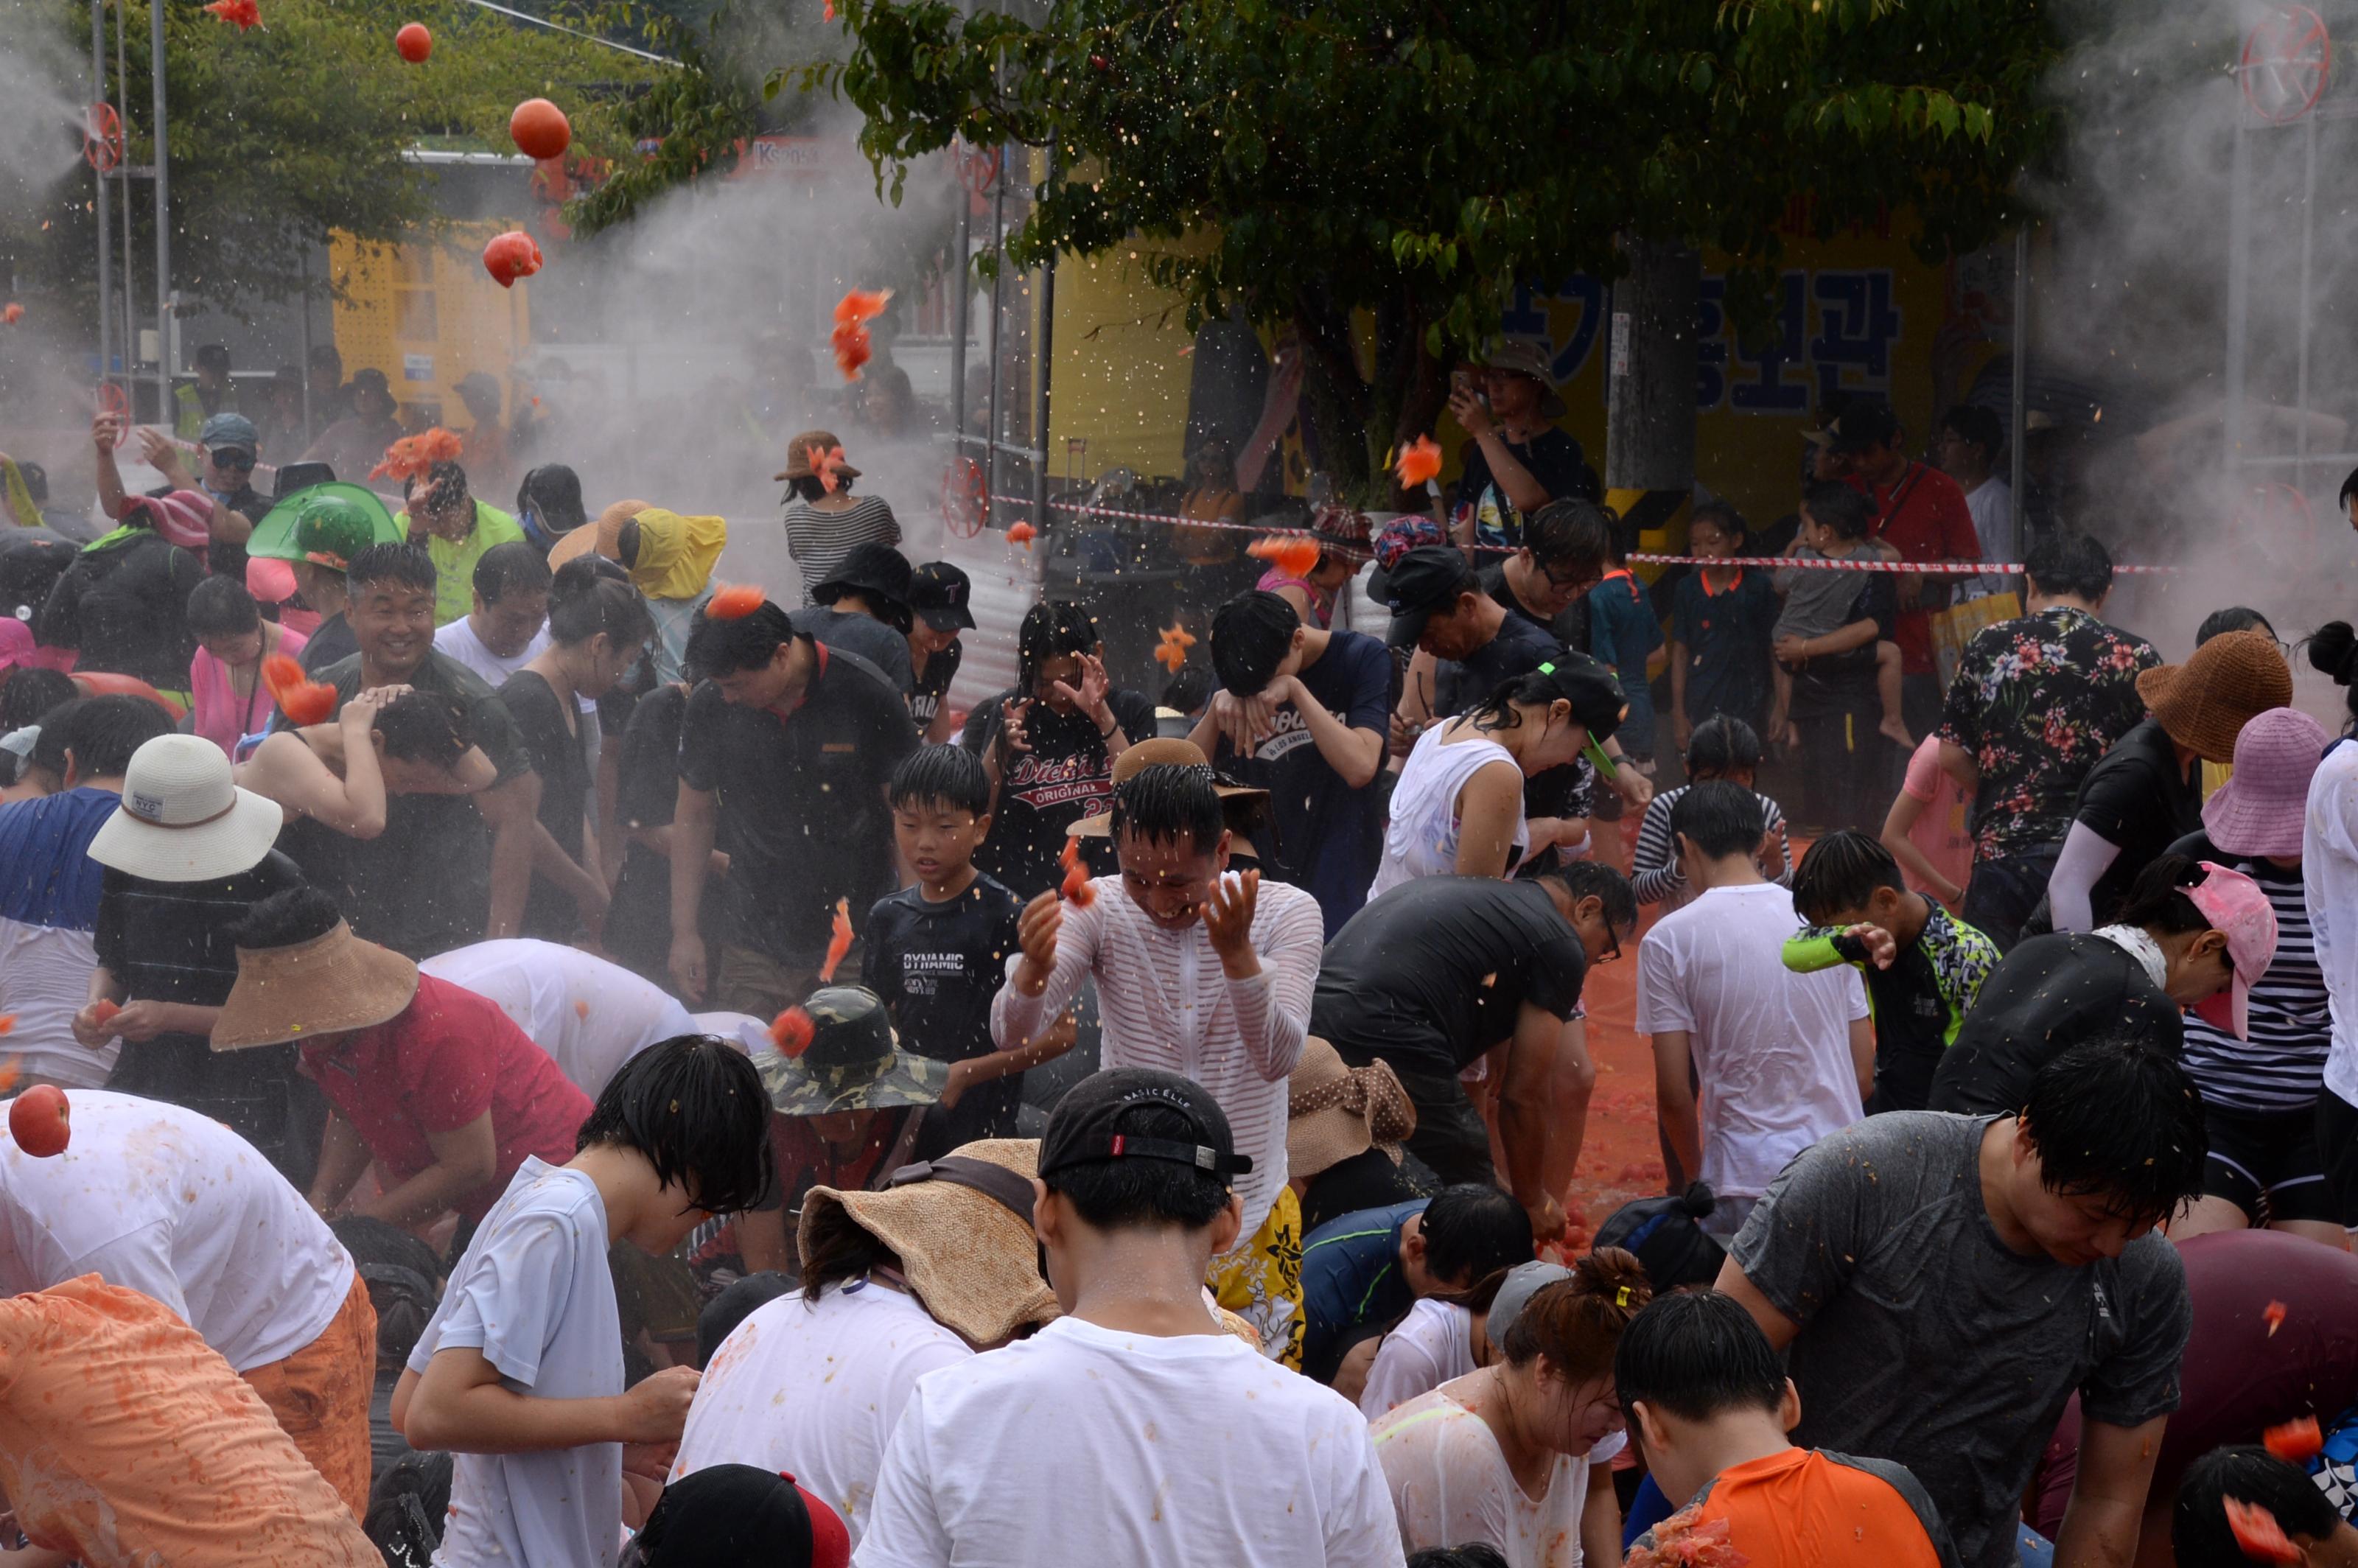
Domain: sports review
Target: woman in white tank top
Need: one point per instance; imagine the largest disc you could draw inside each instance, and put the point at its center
(1457, 809)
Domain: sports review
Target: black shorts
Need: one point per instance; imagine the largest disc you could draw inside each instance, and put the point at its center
(2266, 1164)
(2337, 1149)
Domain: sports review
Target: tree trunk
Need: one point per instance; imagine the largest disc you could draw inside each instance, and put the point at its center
(1335, 396)
(1649, 411)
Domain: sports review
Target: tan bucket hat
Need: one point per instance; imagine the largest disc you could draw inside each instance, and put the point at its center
(332, 984)
(604, 535)
(799, 455)
(183, 818)
(2205, 702)
(1336, 1113)
(1165, 750)
(971, 1259)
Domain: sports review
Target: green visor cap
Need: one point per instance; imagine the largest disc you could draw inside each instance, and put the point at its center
(326, 524)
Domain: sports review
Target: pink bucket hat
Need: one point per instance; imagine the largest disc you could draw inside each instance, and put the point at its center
(183, 516)
(2259, 811)
(2233, 903)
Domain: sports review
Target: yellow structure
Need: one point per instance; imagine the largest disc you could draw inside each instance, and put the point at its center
(426, 313)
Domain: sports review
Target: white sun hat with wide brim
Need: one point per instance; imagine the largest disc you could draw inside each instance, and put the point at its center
(183, 818)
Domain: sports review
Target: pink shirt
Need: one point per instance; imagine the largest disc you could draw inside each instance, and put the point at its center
(1940, 829)
(222, 715)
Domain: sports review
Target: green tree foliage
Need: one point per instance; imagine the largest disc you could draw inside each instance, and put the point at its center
(1406, 163)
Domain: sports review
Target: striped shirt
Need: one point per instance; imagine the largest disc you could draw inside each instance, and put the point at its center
(1166, 1004)
(1657, 880)
(818, 540)
(2282, 1065)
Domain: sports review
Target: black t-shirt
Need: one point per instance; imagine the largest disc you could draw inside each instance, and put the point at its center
(423, 885)
(2138, 798)
(938, 966)
(2045, 997)
(1068, 774)
(560, 755)
(1570, 627)
(929, 687)
(1434, 972)
(1370, 1179)
(1552, 456)
(863, 634)
(801, 799)
(331, 641)
(638, 917)
(1521, 646)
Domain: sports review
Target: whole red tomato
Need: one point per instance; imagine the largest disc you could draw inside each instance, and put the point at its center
(39, 1120)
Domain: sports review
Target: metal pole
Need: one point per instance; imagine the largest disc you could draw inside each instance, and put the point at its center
(123, 174)
(961, 307)
(2307, 250)
(310, 434)
(2021, 413)
(998, 323)
(2239, 286)
(1043, 357)
(163, 224)
(105, 203)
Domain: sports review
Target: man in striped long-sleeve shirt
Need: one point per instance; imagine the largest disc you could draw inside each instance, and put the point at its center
(1200, 972)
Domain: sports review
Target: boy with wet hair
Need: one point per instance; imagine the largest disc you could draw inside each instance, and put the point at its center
(520, 1372)
(1923, 967)
(1942, 1285)
(1086, 1443)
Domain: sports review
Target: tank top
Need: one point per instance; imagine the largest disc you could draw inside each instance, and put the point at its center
(1422, 840)
(1322, 600)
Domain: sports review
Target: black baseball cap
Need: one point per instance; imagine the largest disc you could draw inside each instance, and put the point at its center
(1594, 691)
(939, 591)
(1088, 1124)
(729, 1514)
(1424, 583)
(1865, 424)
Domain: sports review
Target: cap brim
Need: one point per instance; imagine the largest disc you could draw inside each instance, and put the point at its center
(795, 1089)
(273, 537)
(955, 618)
(227, 845)
(1407, 628)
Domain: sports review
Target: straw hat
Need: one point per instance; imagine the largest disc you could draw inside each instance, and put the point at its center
(1151, 752)
(2260, 810)
(1336, 1113)
(604, 536)
(798, 456)
(970, 1256)
(183, 818)
(333, 983)
(2206, 701)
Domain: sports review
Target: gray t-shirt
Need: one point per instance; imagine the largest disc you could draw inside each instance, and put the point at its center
(1818, 599)
(1928, 1341)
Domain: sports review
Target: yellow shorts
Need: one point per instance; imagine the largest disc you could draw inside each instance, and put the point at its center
(1259, 1280)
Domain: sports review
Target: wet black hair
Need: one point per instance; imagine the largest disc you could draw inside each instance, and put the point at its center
(948, 776)
(1497, 711)
(1720, 515)
(406, 1507)
(1473, 1554)
(1251, 634)
(1595, 878)
(1125, 1195)
(2157, 899)
(32, 691)
(1051, 629)
(2234, 618)
(424, 726)
(583, 603)
(1979, 426)
(2070, 563)
(2349, 489)
(1472, 1228)
(212, 356)
(694, 1107)
(1841, 872)
(1695, 1354)
(1189, 691)
(402, 563)
(746, 643)
(1722, 744)
(293, 915)
(2333, 653)
(103, 732)
(1570, 532)
(506, 569)
(1722, 817)
(2118, 1117)
(221, 607)
(1168, 802)
(737, 1300)
(1839, 507)
(2249, 1474)
(810, 486)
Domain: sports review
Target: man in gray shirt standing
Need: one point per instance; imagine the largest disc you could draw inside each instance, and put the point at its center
(1945, 1283)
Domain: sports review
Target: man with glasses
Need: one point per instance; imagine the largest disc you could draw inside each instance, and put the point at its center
(1440, 972)
(1546, 580)
(228, 447)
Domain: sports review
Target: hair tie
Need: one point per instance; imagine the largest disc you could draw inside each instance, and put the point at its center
(1621, 1296)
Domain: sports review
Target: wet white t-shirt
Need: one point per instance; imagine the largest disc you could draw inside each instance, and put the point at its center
(1083, 1445)
(591, 1016)
(173, 1204)
(813, 1388)
(1433, 1343)
(1421, 839)
(1450, 1486)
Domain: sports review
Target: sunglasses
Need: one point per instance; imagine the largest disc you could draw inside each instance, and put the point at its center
(231, 458)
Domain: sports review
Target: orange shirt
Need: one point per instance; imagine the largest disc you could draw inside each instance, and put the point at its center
(1802, 1509)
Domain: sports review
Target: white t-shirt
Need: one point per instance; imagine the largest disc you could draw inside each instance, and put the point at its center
(1433, 1343)
(813, 1388)
(1990, 505)
(591, 1016)
(44, 981)
(534, 1295)
(1421, 839)
(2329, 874)
(457, 639)
(1771, 1047)
(1450, 1486)
(1083, 1445)
(171, 1204)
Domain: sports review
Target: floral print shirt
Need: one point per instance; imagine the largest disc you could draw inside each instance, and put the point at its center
(2036, 702)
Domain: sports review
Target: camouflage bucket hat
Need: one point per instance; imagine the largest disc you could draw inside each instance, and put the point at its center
(853, 1062)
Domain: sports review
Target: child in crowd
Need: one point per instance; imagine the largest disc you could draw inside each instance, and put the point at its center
(1626, 633)
(1822, 617)
(520, 1372)
(1926, 828)
(1720, 622)
(1087, 1443)
(937, 952)
(1721, 747)
(2202, 1536)
(1708, 1398)
(1752, 1063)
(1923, 967)
(1361, 1272)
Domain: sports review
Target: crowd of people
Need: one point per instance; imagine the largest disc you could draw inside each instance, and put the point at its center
(570, 1064)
